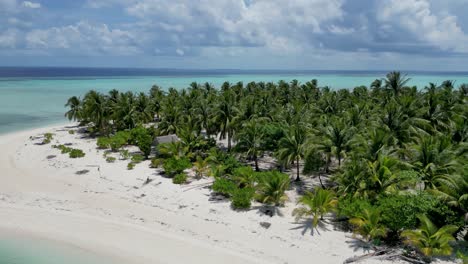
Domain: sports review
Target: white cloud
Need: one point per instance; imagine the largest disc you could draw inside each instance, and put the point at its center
(32, 5)
(8, 39)
(417, 17)
(7, 5)
(83, 38)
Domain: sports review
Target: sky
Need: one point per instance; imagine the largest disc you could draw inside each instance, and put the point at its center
(237, 34)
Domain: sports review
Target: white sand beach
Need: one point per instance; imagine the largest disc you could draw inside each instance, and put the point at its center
(110, 211)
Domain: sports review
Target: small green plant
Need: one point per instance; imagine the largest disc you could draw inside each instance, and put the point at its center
(137, 158)
(173, 166)
(316, 205)
(103, 142)
(71, 132)
(110, 159)
(143, 139)
(130, 166)
(429, 239)
(242, 198)
(124, 154)
(224, 186)
(63, 149)
(156, 163)
(47, 138)
(180, 178)
(76, 153)
(272, 187)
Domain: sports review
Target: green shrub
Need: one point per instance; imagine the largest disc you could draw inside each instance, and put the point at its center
(63, 149)
(142, 138)
(110, 159)
(272, 186)
(124, 154)
(180, 178)
(242, 198)
(116, 142)
(400, 211)
(350, 207)
(71, 132)
(173, 166)
(130, 166)
(156, 163)
(76, 153)
(137, 158)
(47, 138)
(224, 186)
(103, 142)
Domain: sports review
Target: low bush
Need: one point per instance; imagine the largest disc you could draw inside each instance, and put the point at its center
(180, 178)
(71, 132)
(224, 186)
(110, 159)
(130, 166)
(63, 149)
(47, 138)
(137, 158)
(242, 198)
(76, 153)
(173, 166)
(272, 186)
(156, 163)
(350, 207)
(103, 142)
(124, 154)
(142, 138)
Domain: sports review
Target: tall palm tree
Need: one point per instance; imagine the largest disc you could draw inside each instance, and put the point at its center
(338, 135)
(250, 139)
(96, 108)
(75, 105)
(429, 239)
(292, 147)
(395, 82)
(316, 204)
(226, 117)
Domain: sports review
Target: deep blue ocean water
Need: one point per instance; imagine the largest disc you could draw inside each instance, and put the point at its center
(35, 96)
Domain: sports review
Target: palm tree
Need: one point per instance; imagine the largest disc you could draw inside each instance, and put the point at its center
(429, 239)
(245, 177)
(95, 107)
(292, 147)
(368, 224)
(337, 135)
(250, 140)
(272, 187)
(316, 204)
(75, 112)
(433, 158)
(200, 167)
(226, 117)
(395, 82)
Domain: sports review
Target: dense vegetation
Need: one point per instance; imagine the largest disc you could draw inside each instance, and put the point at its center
(390, 158)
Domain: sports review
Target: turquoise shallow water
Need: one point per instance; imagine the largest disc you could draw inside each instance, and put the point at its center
(27, 250)
(34, 102)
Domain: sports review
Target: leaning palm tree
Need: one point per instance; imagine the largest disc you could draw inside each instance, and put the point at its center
(201, 167)
(292, 147)
(316, 204)
(395, 82)
(429, 239)
(96, 109)
(75, 111)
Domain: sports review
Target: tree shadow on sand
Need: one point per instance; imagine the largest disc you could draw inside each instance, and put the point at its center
(269, 210)
(306, 225)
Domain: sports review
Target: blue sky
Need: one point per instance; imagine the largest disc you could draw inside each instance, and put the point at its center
(240, 34)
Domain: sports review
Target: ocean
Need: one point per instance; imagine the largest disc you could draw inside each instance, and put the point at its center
(35, 96)
(19, 249)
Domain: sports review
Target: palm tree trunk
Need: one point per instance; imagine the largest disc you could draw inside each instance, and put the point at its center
(229, 141)
(256, 163)
(297, 167)
(320, 179)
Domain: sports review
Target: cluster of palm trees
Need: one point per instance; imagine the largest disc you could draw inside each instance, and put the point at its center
(388, 139)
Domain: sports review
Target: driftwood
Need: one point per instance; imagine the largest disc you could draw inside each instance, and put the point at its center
(198, 186)
(386, 254)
